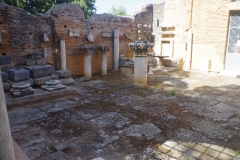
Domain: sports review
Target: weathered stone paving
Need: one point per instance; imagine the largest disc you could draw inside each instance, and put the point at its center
(179, 115)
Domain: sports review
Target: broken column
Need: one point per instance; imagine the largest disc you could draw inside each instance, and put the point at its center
(87, 51)
(63, 54)
(6, 147)
(187, 64)
(116, 49)
(141, 61)
(65, 77)
(104, 50)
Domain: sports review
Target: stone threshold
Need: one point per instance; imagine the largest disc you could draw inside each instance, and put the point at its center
(40, 95)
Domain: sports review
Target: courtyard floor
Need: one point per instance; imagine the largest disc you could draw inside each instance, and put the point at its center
(179, 115)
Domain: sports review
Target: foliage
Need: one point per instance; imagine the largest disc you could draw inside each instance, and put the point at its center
(42, 6)
(120, 11)
(237, 152)
(173, 92)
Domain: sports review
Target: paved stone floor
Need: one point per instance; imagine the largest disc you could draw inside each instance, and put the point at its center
(179, 115)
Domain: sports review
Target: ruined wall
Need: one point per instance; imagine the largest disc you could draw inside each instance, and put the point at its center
(144, 21)
(22, 33)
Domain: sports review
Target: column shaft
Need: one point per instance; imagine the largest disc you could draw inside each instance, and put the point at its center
(140, 71)
(187, 64)
(116, 49)
(104, 63)
(63, 54)
(87, 66)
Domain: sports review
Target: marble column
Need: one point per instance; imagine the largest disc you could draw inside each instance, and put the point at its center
(104, 50)
(63, 54)
(140, 62)
(87, 51)
(187, 64)
(116, 49)
(6, 145)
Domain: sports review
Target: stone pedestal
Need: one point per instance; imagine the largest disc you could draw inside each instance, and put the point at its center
(63, 54)
(150, 69)
(87, 51)
(6, 147)
(141, 61)
(53, 85)
(140, 71)
(104, 50)
(21, 89)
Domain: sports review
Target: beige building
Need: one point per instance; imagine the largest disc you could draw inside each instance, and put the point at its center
(215, 25)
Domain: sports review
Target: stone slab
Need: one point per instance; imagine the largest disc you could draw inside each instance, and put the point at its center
(63, 73)
(50, 89)
(4, 76)
(41, 81)
(41, 71)
(5, 60)
(18, 74)
(67, 81)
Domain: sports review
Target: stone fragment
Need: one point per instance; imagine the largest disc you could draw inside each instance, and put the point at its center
(61, 146)
(63, 73)
(18, 74)
(21, 89)
(106, 34)
(5, 60)
(41, 71)
(5, 67)
(31, 62)
(67, 81)
(73, 32)
(54, 77)
(4, 76)
(128, 35)
(41, 81)
(6, 86)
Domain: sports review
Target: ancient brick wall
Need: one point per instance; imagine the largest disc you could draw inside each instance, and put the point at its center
(22, 33)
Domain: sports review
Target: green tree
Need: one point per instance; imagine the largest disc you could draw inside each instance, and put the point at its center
(42, 6)
(120, 11)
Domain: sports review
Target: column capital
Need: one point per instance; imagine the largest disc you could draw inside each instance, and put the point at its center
(103, 49)
(87, 49)
(140, 47)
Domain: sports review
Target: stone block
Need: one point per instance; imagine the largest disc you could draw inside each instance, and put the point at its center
(173, 62)
(5, 67)
(41, 81)
(4, 76)
(127, 70)
(106, 34)
(11, 83)
(63, 73)
(67, 81)
(30, 62)
(18, 74)
(41, 61)
(6, 86)
(41, 71)
(5, 60)
(35, 55)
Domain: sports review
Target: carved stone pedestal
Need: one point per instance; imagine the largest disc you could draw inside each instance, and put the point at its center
(140, 49)
(53, 85)
(21, 89)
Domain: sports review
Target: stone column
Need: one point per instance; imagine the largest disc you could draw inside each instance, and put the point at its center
(63, 54)
(140, 62)
(6, 145)
(87, 51)
(87, 65)
(116, 49)
(158, 53)
(187, 64)
(104, 50)
(171, 48)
